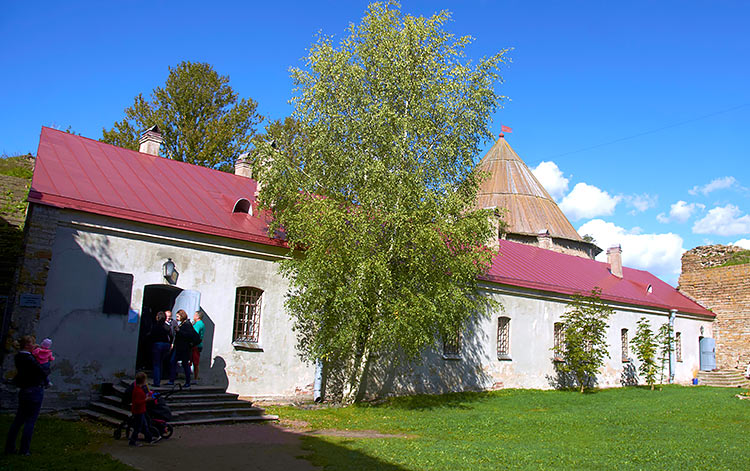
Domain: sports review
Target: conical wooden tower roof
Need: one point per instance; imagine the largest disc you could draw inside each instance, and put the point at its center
(512, 186)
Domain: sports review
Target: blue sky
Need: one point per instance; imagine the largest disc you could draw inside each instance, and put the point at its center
(635, 115)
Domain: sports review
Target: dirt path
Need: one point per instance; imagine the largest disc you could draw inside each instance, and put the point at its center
(244, 447)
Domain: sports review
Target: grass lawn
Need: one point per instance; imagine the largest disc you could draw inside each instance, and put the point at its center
(61, 445)
(631, 428)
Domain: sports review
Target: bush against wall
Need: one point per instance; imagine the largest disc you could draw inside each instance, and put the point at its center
(584, 347)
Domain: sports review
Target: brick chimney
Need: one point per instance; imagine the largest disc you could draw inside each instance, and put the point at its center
(545, 239)
(614, 258)
(242, 166)
(150, 141)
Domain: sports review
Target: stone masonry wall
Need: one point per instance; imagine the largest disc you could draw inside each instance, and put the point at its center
(40, 230)
(726, 291)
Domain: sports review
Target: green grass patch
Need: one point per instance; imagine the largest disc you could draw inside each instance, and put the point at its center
(18, 166)
(629, 428)
(737, 258)
(61, 445)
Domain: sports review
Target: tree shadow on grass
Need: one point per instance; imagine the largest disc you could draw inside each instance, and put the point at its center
(337, 456)
(430, 402)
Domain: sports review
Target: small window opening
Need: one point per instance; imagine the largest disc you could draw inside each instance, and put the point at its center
(243, 206)
(452, 346)
(650, 289)
(559, 333)
(503, 338)
(624, 340)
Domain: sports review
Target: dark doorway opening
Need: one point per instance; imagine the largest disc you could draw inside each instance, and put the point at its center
(155, 298)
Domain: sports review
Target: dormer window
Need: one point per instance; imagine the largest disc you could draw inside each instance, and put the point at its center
(649, 289)
(243, 205)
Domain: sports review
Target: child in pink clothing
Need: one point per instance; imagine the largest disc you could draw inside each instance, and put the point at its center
(44, 356)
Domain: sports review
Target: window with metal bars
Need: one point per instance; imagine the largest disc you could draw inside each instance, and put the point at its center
(678, 345)
(559, 333)
(624, 341)
(452, 345)
(247, 315)
(503, 338)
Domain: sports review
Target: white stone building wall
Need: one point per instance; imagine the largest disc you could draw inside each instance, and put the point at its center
(92, 347)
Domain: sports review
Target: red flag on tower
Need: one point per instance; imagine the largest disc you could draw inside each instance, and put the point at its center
(505, 129)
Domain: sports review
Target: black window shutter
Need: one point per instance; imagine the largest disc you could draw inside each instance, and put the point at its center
(117, 293)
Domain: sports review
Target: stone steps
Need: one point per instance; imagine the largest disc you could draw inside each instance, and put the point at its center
(730, 378)
(203, 404)
(187, 395)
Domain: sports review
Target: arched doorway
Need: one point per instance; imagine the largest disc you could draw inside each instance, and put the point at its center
(155, 298)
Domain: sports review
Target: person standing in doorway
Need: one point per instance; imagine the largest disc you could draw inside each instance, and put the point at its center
(184, 338)
(197, 349)
(160, 344)
(172, 323)
(30, 380)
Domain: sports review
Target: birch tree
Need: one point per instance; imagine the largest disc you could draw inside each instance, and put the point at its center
(376, 199)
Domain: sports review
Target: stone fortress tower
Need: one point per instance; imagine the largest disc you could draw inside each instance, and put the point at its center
(532, 216)
(724, 288)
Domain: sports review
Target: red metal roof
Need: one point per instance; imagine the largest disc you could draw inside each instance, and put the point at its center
(83, 174)
(527, 266)
(79, 173)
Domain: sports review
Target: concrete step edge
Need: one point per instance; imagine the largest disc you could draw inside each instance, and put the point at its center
(243, 410)
(109, 420)
(219, 420)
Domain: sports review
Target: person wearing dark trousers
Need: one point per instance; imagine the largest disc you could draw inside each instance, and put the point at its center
(30, 380)
(138, 408)
(160, 344)
(184, 339)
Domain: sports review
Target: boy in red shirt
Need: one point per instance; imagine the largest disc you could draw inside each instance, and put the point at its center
(138, 408)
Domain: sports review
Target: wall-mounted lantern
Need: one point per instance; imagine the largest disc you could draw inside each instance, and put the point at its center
(701, 330)
(170, 272)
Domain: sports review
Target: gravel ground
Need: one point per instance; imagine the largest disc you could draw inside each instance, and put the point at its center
(244, 447)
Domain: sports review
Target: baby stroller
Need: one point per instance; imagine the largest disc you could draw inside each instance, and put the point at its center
(158, 415)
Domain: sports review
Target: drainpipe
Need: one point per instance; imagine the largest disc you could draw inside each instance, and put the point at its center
(672, 363)
(318, 384)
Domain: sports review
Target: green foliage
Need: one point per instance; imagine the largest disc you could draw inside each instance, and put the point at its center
(201, 118)
(737, 258)
(645, 345)
(374, 180)
(619, 428)
(589, 238)
(584, 347)
(665, 341)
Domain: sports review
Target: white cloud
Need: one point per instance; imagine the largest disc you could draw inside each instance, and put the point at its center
(715, 184)
(679, 212)
(724, 221)
(551, 178)
(641, 203)
(588, 201)
(744, 243)
(659, 254)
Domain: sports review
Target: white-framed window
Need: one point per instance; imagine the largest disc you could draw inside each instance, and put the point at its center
(503, 338)
(559, 333)
(247, 308)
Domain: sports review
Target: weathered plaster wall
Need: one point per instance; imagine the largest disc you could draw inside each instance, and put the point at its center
(69, 254)
(726, 291)
(92, 347)
(531, 340)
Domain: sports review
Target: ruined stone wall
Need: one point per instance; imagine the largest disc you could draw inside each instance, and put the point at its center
(581, 249)
(726, 291)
